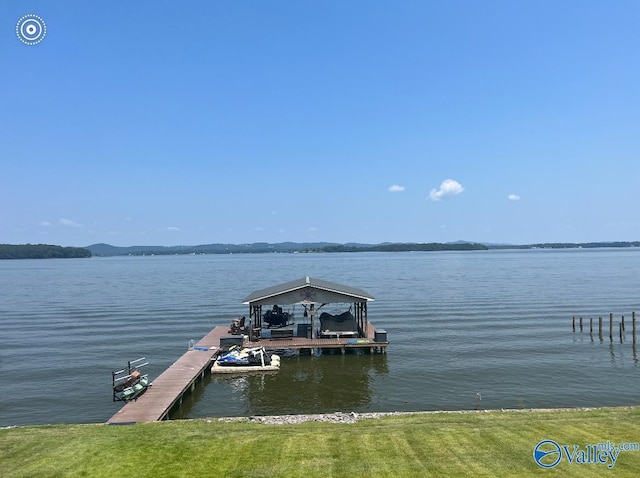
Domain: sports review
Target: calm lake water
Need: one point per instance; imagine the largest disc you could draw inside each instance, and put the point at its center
(489, 329)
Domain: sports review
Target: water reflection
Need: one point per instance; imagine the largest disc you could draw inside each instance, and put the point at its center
(317, 385)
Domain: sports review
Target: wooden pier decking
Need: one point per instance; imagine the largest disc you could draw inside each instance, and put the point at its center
(167, 390)
(303, 343)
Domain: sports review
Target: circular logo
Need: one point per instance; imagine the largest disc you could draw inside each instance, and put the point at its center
(547, 454)
(31, 29)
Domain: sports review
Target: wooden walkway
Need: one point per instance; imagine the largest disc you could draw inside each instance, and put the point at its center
(167, 390)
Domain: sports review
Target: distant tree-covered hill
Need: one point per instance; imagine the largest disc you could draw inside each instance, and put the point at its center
(41, 251)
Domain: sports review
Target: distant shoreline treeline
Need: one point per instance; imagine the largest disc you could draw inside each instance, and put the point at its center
(324, 247)
(284, 247)
(47, 251)
(41, 251)
(431, 246)
(570, 245)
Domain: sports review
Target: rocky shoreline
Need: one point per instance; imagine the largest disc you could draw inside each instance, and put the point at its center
(353, 417)
(336, 417)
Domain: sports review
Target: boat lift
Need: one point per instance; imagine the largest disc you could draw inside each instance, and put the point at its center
(126, 377)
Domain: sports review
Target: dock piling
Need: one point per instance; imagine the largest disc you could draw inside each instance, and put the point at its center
(621, 328)
(611, 326)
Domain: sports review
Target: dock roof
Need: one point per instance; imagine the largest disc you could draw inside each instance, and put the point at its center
(307, 291)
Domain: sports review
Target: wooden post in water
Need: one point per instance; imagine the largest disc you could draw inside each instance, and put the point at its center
(633, 326)
(620, 327)
(591, 325)
(574, 323)
(611, 326)
(600, 326)
(622, 323)
(580, 324)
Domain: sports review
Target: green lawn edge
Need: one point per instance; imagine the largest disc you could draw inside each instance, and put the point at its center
(485, 443)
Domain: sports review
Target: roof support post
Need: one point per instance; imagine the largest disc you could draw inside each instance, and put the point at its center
(366, 320)
(255, 313)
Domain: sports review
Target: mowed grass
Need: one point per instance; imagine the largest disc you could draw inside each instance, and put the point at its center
(442, 444)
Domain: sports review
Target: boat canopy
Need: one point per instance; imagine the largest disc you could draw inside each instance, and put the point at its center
(307, 291)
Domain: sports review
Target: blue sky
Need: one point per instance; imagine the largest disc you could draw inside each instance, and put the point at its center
(195, 122)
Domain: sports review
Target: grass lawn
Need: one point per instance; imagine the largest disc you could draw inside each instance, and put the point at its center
(442, 444)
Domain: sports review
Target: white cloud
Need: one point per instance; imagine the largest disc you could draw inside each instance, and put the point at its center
(312, 229)
(69, 223)
(172, 229)
(260, 229)
(396, 189)
(449, 187)
(46, 223)
(514, 197)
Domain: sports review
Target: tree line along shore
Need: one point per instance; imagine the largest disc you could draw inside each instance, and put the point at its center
(47, 251)
(41, 251)
(326, 247)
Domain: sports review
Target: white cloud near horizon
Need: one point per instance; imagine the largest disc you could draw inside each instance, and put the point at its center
(395, 188)
(172, 229)
(513, 197)
(449, 187)
(69, 222)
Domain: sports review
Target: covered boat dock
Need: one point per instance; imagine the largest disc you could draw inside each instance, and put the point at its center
(271, 327)
(316, 331)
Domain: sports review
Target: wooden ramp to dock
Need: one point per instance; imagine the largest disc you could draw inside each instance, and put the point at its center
(167, 390)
